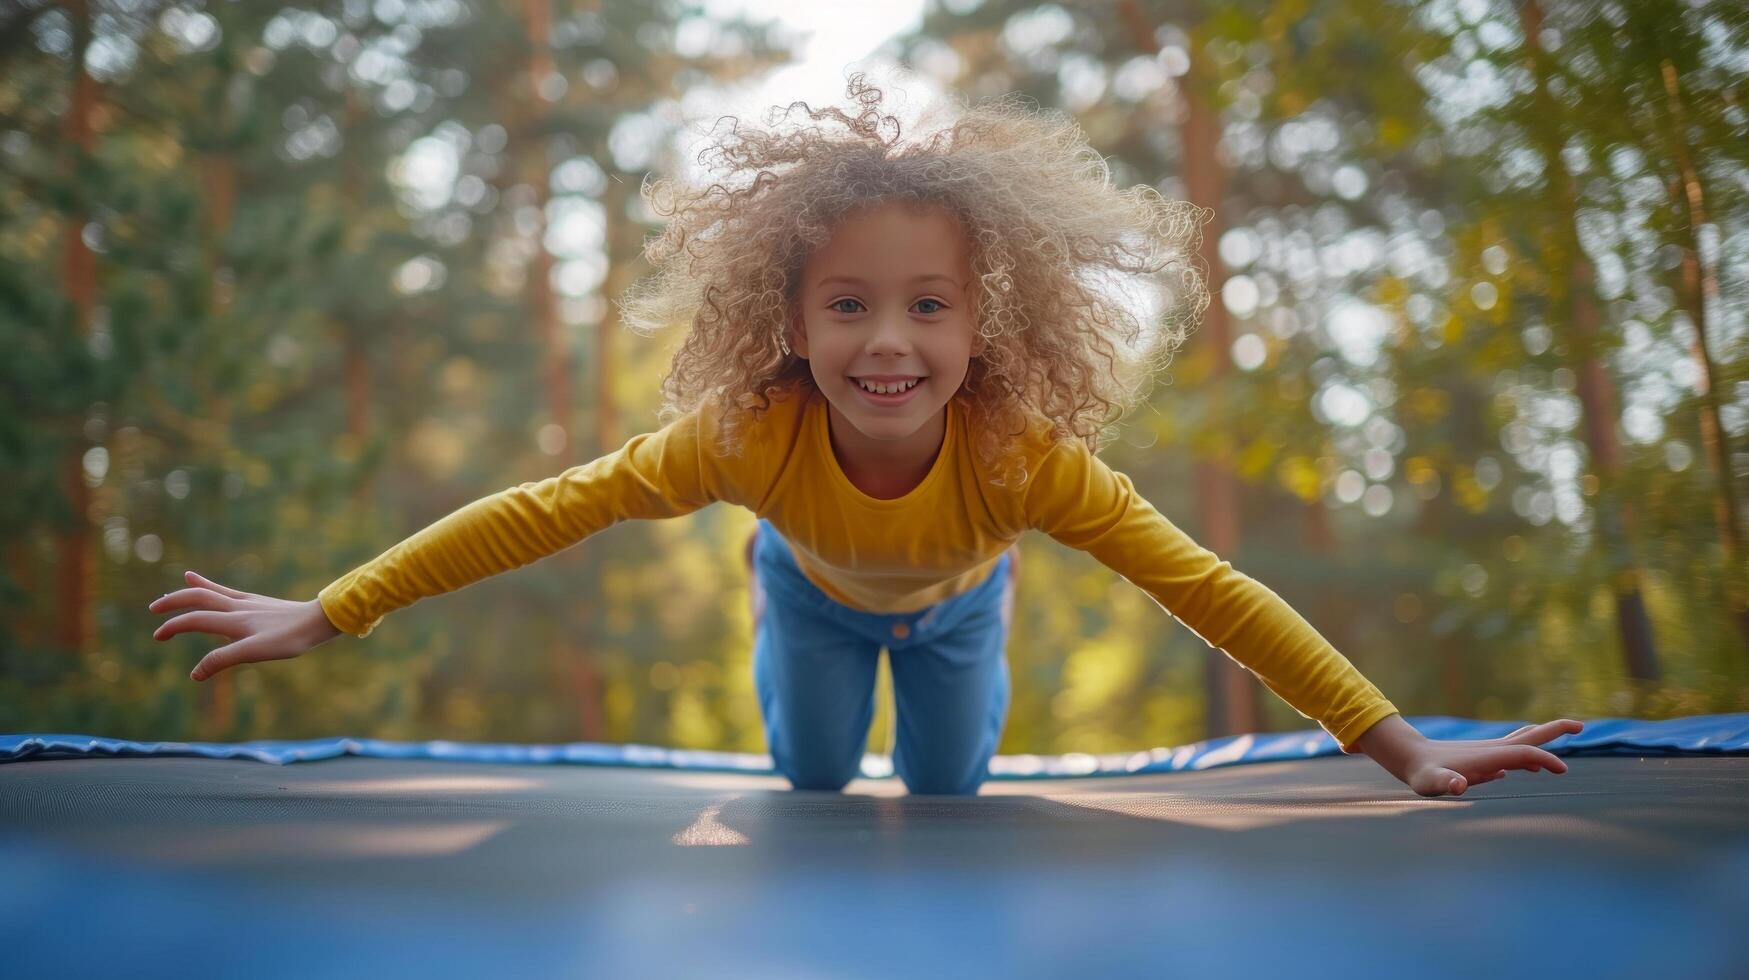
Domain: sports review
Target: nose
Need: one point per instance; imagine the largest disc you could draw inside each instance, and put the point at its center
(891, 335)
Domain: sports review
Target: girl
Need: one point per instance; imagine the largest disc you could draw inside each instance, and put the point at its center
(900, 359)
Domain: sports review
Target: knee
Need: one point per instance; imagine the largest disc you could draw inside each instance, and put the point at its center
(830, 779)
(943, 786)
(942, 783)
(820, 770)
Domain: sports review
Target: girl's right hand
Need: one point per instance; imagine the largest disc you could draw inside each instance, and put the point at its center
(259, 627)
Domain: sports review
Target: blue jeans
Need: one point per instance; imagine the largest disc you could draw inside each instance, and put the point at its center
(814, 662)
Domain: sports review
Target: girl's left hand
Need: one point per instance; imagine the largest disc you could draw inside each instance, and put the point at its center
(1434, 767)
(259, 627)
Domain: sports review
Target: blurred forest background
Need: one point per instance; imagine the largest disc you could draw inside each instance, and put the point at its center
(282, 284)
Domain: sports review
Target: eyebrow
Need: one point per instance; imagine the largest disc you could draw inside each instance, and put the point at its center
(858, 282)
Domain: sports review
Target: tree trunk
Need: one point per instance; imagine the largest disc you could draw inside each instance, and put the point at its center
(75, 615)
(359, 382)
(1572, 309)
(1700, 290)
(1616, 519)
(573, 666)
(620, 241)
(1231, 691)
(217, 697)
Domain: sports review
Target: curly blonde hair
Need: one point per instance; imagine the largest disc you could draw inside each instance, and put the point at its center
(1044, 228)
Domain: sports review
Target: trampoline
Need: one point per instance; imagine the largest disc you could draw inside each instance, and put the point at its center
(435, 864)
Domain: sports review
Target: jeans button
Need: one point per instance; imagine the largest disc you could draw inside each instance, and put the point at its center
(901, 630)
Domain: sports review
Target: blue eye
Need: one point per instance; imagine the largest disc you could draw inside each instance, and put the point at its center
(833, 306)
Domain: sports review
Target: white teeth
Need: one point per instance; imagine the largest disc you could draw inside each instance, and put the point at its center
(893, 388)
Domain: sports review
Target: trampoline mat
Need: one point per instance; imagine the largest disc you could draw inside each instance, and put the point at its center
(1623, 867)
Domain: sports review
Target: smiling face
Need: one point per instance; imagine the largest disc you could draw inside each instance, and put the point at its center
(887, 326)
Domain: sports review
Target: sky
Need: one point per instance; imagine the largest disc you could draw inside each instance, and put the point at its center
(830, 37)
(832, 41)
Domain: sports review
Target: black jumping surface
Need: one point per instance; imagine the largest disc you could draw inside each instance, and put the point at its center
(1623, 867)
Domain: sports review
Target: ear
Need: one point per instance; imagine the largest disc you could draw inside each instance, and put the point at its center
(797, 336)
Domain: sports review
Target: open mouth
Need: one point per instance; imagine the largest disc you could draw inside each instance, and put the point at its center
(888, 390)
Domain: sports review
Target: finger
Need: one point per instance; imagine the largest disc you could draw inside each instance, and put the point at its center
(216, 587)
(199, 598)
(250, 649)
(225, 657)
(1544, 759)
(1439, 782)
(1456, 784)
(203, 621)
(1552, 762)
(1545, 732)
(1531, 757)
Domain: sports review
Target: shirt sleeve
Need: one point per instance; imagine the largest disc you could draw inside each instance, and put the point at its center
(666, 473)
(1080, 501)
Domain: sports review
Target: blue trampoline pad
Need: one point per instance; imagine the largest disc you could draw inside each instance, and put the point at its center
(1700, 734)
(1629, 865)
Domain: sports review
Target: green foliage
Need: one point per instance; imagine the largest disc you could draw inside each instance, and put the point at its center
(301, 347)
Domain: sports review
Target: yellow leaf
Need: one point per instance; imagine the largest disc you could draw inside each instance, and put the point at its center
(1254, 461)
(1299, 475)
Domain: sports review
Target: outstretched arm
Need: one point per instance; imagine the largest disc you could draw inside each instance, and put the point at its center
(666, 473)
(1435, 767)
(661, 474)
(1081, 502)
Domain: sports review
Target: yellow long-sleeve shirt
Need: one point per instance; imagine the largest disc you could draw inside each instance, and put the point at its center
(898, 555)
